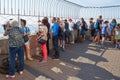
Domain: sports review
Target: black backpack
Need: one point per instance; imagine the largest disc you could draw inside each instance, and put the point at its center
(75, 26)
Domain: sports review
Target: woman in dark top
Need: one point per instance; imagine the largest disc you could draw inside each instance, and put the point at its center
(92, 30)
(83, 28)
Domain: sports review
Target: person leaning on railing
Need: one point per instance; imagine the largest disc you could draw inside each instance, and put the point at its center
(16, 43)
(42, 39)
(26, 32)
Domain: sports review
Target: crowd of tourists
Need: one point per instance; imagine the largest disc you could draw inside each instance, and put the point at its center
(61, 32)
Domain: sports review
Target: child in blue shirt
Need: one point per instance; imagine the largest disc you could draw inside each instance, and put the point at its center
(104, 32)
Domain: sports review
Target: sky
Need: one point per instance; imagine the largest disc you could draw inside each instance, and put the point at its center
(96, 3)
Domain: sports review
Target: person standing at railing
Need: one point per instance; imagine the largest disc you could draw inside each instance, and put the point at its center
(26, 32)
(111, 30)
(61, 34)
(55, 32)
(16, 46)
(67, 32)
(71, 28)
(83, 28)
(92, 30)
(42, 39)
(48, 34)
(104, 30)
(98, 26)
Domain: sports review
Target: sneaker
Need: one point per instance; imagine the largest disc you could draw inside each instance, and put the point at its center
(43, 61)
(8, 76)
(21, 72)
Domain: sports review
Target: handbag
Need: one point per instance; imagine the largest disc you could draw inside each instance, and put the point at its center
(26, 38)
(41, 41)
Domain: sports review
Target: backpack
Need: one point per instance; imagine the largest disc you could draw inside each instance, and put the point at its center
(66, 26)
(85, 26)
(96, 25)
(78, 24)
(75, 26)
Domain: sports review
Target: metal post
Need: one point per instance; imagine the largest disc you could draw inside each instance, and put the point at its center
(42, 7)
(4, 6)
(38, 10)
(18, 13)
(29, 7)
(8, 6)
(34, 6)
(0, 7)
(51, 4)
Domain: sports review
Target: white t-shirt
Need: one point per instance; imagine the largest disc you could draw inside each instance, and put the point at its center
(71, 25)
(117, 32)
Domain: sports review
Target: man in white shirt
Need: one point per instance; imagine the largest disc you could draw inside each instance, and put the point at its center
(71, 28)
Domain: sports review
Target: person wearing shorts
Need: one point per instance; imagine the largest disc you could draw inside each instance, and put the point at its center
(71, 26)
(104, 33)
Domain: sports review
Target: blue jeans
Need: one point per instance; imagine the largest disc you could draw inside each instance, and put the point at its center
(55, 45)
(12, 55)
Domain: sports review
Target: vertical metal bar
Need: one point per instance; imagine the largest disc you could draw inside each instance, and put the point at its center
(61, 9)
(42, 5)
(0, 7)
(45, 8)
(4, 6)
(119, 11)
(38, 10)
(20, 7)
(15, 6)
(52, 8)
(18, 12)
(27, 7)
(66, 10)
(24, 6)
(8, 7)
(48, 2)
(34, 7)
(30, 7)
(57, 7)
(11, 8)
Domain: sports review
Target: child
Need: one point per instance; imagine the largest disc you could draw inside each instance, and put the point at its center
(104, 33)
(117, 35)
